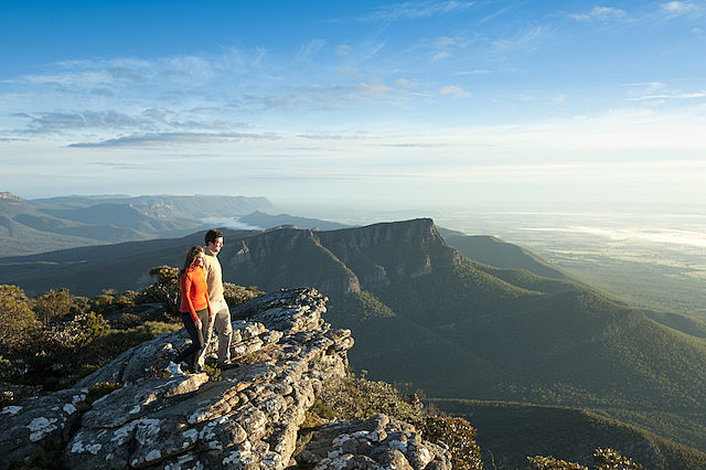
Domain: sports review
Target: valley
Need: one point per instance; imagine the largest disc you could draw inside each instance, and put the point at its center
(458, 316)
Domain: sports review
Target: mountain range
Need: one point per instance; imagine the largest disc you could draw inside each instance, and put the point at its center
(509, 328)
(39, 225)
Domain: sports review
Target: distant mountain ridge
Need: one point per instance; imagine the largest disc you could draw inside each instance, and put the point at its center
(495, 252)
(263, 220)
(42, 225)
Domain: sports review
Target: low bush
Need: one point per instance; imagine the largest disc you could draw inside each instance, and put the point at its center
(459, 436)
(236, 295)
(19, 323)
(100, 390)
(606, 459)
(354, 397)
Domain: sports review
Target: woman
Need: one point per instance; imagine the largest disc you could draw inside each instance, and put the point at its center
(195, 310)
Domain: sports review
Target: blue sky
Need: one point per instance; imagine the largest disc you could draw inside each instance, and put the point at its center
(411, 104)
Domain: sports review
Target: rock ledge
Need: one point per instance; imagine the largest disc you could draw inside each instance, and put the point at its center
(249, 419)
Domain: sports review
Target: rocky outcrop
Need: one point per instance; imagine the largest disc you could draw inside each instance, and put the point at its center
(246, 418)
(376, 443)
(8, 196)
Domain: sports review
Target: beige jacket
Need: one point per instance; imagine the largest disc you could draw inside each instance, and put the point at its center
(214, 276)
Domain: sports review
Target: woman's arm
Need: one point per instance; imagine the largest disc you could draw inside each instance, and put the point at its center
(187, 295)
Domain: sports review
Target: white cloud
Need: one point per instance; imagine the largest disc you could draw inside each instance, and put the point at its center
(600, 13)
(407, 84)
(679, 96)
(443, 47)
(172, 138)
(311, 49)
(415, 10)
(678, 8)
(455, 91)
(649, 85)
(346, 70)
(343, 50)
(440, 56)
(473, 72)
(81, 79)
(46, 123)
(523, 40)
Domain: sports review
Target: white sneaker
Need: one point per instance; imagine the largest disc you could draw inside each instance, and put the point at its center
(175, 369)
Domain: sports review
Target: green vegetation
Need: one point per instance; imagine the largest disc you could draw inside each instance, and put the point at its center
(360, 306)
(165, 289)
(495, 252)
(352, 397)
(606, 459)
(100, 390)
(459, 435)
(50, 341)
(507, 432)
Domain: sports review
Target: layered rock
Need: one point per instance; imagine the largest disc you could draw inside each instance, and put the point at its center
(248, 418)
(376, 443)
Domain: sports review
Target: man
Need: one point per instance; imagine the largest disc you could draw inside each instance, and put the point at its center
(214, 281)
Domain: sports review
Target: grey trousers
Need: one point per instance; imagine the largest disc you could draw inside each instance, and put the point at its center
(221, 323)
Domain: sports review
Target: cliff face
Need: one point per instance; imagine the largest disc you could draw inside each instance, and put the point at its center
(380, 252)
(247, 419)
(339, 261)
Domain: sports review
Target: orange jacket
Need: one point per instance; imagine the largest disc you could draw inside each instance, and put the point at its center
(194, 292)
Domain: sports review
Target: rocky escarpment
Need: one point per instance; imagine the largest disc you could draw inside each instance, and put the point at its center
(248, 418)
(338, 261)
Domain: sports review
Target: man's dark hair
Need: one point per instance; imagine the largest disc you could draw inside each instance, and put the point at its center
(213, 235)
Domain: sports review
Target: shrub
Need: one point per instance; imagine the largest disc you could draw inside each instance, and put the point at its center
(550, 463)
(606, 459)
(459, 436)
(103, 303)
(165, 289)
(236, 295)
(53, 358)
(55, 304)
(127, 299)
(351, 397)
(100, 390)
(110, 345)
(18, 321)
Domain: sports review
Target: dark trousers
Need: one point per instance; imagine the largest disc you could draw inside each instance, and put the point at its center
(191, 354)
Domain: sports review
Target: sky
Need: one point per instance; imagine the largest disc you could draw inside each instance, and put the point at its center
(370, 103)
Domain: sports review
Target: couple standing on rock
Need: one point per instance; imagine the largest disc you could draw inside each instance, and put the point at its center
(203, 305)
